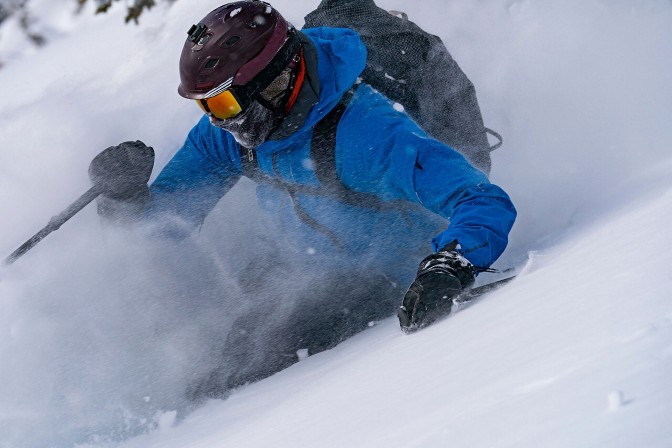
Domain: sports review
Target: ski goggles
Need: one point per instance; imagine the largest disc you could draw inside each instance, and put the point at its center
(223, 106)
(230, 103)
(234, 100)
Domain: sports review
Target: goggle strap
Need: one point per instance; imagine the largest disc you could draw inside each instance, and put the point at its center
(204, 104)
(274, 68)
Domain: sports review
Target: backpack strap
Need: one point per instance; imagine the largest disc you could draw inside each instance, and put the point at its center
(323, 144)
(323, 157)
(497, 136)
(322, 149)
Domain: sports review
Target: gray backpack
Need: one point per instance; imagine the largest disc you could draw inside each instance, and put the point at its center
(414, 68)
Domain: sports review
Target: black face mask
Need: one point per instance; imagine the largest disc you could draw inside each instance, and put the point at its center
(263, 116)
(253, 126)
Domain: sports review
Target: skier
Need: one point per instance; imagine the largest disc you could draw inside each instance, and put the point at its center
(362, 192)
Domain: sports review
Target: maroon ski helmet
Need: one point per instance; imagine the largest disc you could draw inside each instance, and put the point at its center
(229, 47)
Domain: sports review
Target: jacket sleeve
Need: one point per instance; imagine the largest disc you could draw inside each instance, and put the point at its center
(194, 180)
(390, 156)
(481, 214)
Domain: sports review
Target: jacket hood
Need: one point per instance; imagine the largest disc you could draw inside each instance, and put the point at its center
(341, 58)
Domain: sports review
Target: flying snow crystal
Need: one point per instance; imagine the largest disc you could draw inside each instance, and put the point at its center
(166, 420)
(399, 14)
(311, 251)
(308, 164)
(269, 9)
(615, 400)
(235, 12)
(398, 107)
(302, 354)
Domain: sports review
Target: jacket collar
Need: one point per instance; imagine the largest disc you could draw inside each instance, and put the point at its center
(335, 57)
(309, 93)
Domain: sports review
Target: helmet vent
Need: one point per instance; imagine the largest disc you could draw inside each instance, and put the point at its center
(212, 63)
(258, 20)
(204, 40)
(232, 40)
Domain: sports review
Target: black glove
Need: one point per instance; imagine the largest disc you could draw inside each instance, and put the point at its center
(440, 278)
(122, 172)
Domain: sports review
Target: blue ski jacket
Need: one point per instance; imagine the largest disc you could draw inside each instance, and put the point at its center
(379, 150)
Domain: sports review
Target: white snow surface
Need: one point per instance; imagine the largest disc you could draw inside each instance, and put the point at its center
(102, 329)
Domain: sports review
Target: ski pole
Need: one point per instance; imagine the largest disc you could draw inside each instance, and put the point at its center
(56, 222)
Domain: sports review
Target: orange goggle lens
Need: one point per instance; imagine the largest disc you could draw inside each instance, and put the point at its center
(222, 106)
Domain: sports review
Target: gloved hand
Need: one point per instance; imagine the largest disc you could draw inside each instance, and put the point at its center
(122, 172)
(440, 278)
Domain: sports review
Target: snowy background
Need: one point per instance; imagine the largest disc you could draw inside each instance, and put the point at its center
(102, 331)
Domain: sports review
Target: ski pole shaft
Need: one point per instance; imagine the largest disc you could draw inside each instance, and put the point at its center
(55, 223)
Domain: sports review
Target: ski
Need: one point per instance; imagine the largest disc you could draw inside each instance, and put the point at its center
(459, 303)
(470, 296)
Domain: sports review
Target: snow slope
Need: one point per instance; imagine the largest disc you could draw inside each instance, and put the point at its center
(99, 334)
(575, 353)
